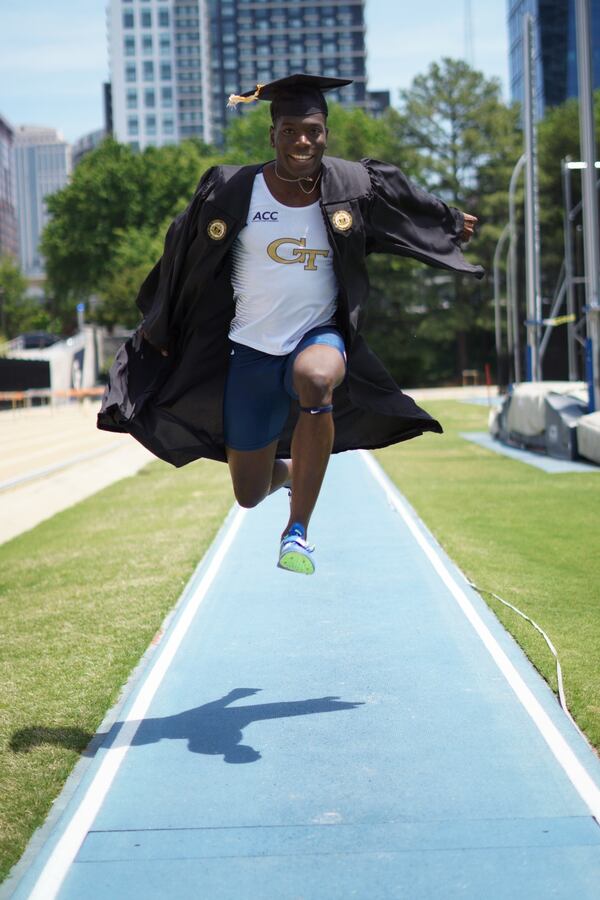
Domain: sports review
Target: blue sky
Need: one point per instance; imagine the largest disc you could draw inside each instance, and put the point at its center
(53, 53)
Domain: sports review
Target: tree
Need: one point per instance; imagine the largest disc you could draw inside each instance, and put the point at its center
(113, 190)
(247, 137)
(18, 312)
(78, 241)
(355, 135)
(465, 141)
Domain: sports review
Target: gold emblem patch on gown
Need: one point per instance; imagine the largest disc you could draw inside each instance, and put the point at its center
(342, 220)
(217, 229)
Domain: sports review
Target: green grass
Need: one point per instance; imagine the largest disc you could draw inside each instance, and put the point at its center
(81, 597)
(529, 536)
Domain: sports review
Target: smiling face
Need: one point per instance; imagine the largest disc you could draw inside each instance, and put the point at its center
(299, 143)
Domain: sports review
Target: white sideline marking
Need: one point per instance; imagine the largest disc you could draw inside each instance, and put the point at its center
(580, 778)
(56, 467)
(52, 875)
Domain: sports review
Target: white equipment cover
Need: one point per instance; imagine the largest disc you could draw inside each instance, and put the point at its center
(72, 361)
(526, 414)
(588, 437)
(494, 421)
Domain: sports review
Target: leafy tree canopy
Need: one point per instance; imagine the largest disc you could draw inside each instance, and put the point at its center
(18, 311)
(114, 189)
(460, 142)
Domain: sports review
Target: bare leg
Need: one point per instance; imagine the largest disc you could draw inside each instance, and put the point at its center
(282, 474)
(317, 371)
(311, 448)
(256, 473)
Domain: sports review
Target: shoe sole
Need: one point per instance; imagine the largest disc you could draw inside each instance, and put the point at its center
(292, 561)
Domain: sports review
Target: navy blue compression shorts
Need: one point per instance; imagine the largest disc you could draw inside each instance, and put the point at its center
(259, 389)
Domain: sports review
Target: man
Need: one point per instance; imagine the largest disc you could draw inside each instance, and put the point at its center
(250, 350)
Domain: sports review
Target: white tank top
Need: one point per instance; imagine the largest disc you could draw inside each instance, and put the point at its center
(282, 274)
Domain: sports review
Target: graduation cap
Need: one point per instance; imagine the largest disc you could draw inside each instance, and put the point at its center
(296, 95)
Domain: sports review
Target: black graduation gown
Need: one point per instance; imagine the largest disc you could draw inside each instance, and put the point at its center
(173, 404)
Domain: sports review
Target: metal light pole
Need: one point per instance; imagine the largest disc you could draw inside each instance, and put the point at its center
(532, 237)
(509, 323)
(590, 199)
(569, 273)
(514, 300)
(502, 374)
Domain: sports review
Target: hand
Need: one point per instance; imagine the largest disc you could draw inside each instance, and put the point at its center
(469, 227)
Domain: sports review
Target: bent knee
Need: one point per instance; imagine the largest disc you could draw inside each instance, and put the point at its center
(248, 498)
(315, 387)
(251, 473)
(249, 493)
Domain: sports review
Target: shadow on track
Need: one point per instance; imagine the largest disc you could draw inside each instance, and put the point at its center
(215, 728)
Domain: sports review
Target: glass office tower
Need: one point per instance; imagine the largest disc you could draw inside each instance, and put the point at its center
(42, 167)
(555, 49)
(8, 214)
(257, 42)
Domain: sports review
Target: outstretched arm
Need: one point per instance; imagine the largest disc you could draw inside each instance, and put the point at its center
(406, 220)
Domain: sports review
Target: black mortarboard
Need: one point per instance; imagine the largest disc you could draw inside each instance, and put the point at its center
(296, 95)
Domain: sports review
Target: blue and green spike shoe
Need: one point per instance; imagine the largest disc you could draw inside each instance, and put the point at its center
(295, 553)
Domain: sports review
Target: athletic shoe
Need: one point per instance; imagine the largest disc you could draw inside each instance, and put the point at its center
(295, 553)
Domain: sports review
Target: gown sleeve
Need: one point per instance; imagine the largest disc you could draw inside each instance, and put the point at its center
(157, 291)
(406, 220)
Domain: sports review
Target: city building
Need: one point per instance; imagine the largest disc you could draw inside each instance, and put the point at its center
(254, 43)
(159, 73)
(85, 144)
(377, 102)
(42, 167)
(173, 63)
(555, 57)
(8, 215)
(107, 107)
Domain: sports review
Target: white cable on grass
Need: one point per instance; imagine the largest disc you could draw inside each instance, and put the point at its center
(561, 692)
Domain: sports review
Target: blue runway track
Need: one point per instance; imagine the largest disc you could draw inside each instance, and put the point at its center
(369, 732)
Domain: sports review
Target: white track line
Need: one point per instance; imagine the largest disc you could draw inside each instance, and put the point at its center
(53, 874)
(580, 778)
(56, 467)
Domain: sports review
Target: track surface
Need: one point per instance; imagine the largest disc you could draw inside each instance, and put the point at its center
(54, 456)
(343, 735)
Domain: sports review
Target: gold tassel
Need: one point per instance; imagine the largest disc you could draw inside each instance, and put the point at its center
(234, 99)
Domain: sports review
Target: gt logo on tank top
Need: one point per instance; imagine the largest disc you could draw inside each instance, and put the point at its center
(308, 257)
